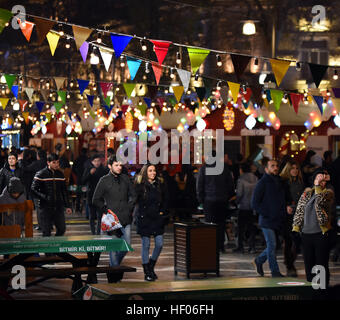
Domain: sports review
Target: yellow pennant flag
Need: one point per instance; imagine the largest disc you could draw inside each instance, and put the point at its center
(48, 117)
(52, 39)
(25, 115)
(178, 92)
(3, 102)
(234, 88)
(280, 68)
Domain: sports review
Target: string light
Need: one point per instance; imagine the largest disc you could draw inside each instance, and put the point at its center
(147, 69)
(67, 45)
(172, 75)
(219, 60)
(178, 58)
(196, 76)
(122, 62)
(143, 44)
(61, 31)
(99, 38)
(335, 75)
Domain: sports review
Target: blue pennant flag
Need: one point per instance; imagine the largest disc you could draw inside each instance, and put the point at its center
(148, 102)
(119, 43)
(120, 114)
(15, 90)
(69, 113)
(319, 102)
(40, 105)
(90, 98)
(108, 110)
(133, 65)
(83, 85)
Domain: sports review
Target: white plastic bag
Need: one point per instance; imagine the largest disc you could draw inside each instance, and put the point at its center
(110, 221)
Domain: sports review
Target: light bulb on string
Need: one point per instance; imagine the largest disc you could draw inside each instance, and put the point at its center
(99, 38)
(143, 44)
(178, 58)
(172, 74)
(147, 69)
(218, 60)
(61, 31)
(94, 58)
(67, 44)
(122, 62)
(196, 76)
(218, 87)
(335, 75)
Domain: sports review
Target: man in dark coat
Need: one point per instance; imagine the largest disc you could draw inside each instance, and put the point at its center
(115, 191)
(10, 169)
(269, 201)
(91, 176)
(49, 186)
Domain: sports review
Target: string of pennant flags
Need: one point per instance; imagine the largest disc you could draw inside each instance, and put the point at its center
(228, 91)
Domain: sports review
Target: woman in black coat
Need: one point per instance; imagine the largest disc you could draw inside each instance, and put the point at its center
(151, 215)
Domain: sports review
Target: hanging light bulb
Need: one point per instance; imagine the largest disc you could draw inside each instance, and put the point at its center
(122, 62)
(324, 103)
(147, 69)
(335, 75)
(172, 74)
(94, 58)
(218, 60)
(218, 87)
(67, 45)
(178, 58)
(285, 98)
(328, 93)
(196, 76)
(143, 44)
(99, 38)
(249, 28)
(61, 31)
(305, 100)
(47, 84)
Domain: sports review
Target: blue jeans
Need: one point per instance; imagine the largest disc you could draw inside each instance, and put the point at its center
(269, 253)
(146, 247)
(116, 257)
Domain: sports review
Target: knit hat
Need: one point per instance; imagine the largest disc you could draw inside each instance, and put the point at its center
(15, 186)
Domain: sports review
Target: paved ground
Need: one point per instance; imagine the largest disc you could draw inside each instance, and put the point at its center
(231, 265)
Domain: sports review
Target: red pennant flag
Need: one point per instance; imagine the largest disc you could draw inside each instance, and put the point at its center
(157, 69)
(161, 49)
(124, 108)
(23, 104)
(247, 95)
(105, 87)
(296, 98)
(26, 29)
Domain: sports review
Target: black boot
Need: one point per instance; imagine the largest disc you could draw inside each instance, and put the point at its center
(152, 266)
(147, 274)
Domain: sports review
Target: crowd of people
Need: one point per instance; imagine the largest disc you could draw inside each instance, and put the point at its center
(293, 205)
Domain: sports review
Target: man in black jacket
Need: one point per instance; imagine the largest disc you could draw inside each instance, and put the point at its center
(49, 186)
(115, 191)
(91, 176)
(10, 169)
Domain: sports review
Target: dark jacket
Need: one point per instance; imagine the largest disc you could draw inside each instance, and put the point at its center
(91, 180)
(269, 201)
(215, 187)
(151, 200)
(79, 167)
(6, 174)
(50, 188)
(116, 193)
(245, 189)
(30, 171)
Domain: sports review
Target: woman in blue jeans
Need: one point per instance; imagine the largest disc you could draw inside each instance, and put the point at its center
(150, 216)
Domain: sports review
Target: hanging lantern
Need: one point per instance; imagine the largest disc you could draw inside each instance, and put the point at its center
(200, 125)
(228, 119)
(128, 122)
(68, 129)
(250, 122)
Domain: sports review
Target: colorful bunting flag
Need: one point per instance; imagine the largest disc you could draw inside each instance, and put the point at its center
(69, 113)
(23, 104)
(277, 96)
(200, 92)
(107, 101)
(26, 29)
(25, 115)
(108, 109)
(133, 65)
(84, 49)
(157, 70)
(336, 92)
(197, 56)
(119, 43)
(224, 94)
(62, 95)
(247, 95)
(42, 27)
(142, 109)
(107, 57)
(296, 98)
(185, 77)
(80, 35)
(319, 102)
(59, 81)
(53, 40)
(161, 49)
(235, 89)
(90, 99)
(257, 95)
(129, 87)
(15, 90)
(280, 68)
(147, 101)
(240, 63)
(58, 106)
(178, 92)
(5, 15)
(4, 102)
(10, 78)
(105, 86)
(82, 85)
(318, 71)
(39, 105)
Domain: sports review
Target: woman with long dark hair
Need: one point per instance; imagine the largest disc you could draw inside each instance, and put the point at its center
(150, 216)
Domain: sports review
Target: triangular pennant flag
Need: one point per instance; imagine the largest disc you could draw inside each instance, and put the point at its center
(159, 109)
(107, 100)
(105, 86)
(124, 108)
(247, 95)
(257, 95)
(26, 29)
(44, 93)
(4, 102)
(319, 102)
(25, 115)
(235, 89)
(69, 113)
(5, 15)
(39, 105)
(108, 109)
(80, 35)
(157, 70)
(296, 98)
(197, 56)
(185, 77)
(53, 40)
(133, 65)
(129, 87)
(200, 92)
(336, 92)
(147, 101)
(48, 117)
(269, 97)
(317, 71)
(224, 94)
(277, 96)
(92, 114)
(107, 57)
(82, 85)
(59, 81)
(178, 92)
(142, 109)
(161, 49)
(280, 68)
(15, 90)
(208, 84)
(240, 64)
(42, 27)
(90, 99)
(23, 104)
(152, 91)
(119, 43)
(84, 49)
(62, 95)
(58, 106)
(10, 78)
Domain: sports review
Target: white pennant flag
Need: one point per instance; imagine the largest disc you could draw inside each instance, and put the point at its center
(29, 92)
(107, 57)
(185, 78)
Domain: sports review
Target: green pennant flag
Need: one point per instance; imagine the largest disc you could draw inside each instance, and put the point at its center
(5, 15)
(10, 78)
(129, 87)
(172, 100)
(197, 56)
(142, 109)
(277, 96)
(107, 101)
(58, 106)
(62, 95)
